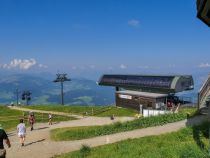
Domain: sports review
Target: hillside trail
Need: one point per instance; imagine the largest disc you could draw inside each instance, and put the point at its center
(38, 143)
(46, 112)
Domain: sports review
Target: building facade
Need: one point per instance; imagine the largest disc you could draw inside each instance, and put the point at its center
(147, 91)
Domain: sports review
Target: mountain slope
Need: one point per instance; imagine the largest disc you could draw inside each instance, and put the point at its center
(44, 91)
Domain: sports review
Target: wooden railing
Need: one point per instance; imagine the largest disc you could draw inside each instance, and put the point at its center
(203, 91)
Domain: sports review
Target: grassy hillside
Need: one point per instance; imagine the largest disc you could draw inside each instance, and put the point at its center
(76, 133)
(186, 143)
(10, 118)
(88, 110)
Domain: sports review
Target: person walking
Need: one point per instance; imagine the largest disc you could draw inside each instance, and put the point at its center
(21, 129)
(3, 136)
(50, 118)
(31, 120)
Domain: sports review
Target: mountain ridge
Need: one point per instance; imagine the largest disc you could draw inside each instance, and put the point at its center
(78, 91)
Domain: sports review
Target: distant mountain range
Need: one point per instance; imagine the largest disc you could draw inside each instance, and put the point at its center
(78, 91)
(45, 91)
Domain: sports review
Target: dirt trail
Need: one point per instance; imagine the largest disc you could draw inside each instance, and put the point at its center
(46, 112)
(38, 143)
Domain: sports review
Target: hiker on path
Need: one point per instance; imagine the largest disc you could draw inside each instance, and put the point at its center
(3, 136)
(31, 120)
(21, 129)
(50, 118)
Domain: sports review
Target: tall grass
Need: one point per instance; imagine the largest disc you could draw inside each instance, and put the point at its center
(12, 116)
(101, 111)
(76, 133)
(181, 144)
(9, 118)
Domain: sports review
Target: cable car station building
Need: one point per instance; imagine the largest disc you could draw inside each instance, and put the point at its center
(149, 91)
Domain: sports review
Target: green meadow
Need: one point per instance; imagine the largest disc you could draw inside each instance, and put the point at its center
(76, 133)
(191, 142)
(9, 118)
(101, 111)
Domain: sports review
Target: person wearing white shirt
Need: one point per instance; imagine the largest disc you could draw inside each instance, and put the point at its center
(21, 129)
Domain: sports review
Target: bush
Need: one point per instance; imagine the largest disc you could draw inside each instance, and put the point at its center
(85, 150)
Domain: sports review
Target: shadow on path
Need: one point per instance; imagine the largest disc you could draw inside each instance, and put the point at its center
(41, 140)
(40, 128)
(11, 134)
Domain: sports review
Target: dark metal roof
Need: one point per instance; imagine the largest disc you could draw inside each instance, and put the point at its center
(152, 83)
(203, 11)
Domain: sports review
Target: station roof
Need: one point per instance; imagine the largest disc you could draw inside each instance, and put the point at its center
(150, 83)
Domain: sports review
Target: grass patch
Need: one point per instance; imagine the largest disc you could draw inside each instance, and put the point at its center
(101, 111)
(191, 142)
(85, 150)
(9, 118)
(76, 133)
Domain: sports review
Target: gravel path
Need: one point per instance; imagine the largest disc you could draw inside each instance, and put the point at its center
(38, 143)
(46, 112)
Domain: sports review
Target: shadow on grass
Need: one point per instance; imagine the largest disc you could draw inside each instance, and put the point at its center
(199, 132)
(200, 127)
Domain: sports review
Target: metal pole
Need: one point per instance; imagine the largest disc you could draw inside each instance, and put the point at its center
(139, 106)
(17, 94)
(62, 100)
(61, 78)
(26, 100)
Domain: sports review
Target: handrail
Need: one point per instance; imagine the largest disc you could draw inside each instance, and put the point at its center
(203, 90)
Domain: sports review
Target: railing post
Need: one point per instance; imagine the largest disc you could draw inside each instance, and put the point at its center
(23, 116)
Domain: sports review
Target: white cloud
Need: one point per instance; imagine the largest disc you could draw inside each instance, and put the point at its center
(133, 23)
(22, 64)
(43, 66)
(203, 65)
(122, 66)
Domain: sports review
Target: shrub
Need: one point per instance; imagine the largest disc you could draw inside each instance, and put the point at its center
(85, 150)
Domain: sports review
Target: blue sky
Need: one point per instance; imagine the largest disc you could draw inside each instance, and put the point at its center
(91, 37)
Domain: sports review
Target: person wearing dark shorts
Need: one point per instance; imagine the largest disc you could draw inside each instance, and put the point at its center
(3, 136)
(31, 120)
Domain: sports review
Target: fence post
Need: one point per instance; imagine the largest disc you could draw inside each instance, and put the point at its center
(23, 116)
